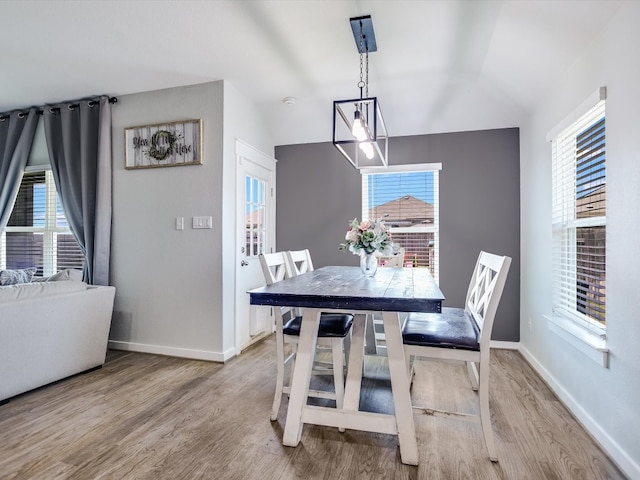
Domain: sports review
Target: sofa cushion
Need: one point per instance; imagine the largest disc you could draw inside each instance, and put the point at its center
(14, 277)
(23, 291)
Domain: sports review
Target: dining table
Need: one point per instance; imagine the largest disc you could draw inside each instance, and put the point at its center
(388, 293)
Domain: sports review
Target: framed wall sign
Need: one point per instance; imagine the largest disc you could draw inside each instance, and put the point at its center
(163, 145)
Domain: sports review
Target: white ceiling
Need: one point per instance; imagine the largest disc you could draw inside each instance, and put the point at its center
(440, 66)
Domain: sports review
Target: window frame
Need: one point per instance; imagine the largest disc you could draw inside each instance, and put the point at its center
(565, 221)
(256, 207)
(585, 336)
(49, 231)
(410, 168)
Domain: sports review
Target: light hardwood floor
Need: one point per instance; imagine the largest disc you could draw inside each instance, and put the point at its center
(153, 417)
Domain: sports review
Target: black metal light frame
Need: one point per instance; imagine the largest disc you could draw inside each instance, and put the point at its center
(344, 111)
(343, 115)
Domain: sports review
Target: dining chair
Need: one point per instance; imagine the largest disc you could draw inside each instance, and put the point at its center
(462, 334)
(396, 259)
(334, 328)
(299, 261)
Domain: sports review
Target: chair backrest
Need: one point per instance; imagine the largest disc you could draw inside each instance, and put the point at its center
(394, 260)
(299, 262)
(274, 267)
(485, 290)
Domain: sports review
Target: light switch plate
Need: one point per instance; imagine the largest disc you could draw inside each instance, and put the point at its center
(179, 223)
(202, 222)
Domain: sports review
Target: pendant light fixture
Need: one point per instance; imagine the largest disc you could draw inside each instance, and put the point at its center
(359, 131)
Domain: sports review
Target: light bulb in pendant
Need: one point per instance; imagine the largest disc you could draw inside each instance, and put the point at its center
(367, 149)
(358, 129)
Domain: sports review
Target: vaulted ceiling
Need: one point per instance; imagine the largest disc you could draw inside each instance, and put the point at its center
(440, 66)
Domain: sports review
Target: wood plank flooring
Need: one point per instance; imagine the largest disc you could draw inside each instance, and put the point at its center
(153, 417)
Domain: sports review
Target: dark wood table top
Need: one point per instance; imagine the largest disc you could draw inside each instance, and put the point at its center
(346, 288)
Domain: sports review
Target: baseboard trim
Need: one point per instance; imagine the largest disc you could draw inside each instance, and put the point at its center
(619, 456)
(193, 354)
(505, 345)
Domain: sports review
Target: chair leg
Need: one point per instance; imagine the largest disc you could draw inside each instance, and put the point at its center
(410, 364)
(277, 398)
(338, 371)
(347, 348)
(294, 348)
(485, 414)
(370, 336)
(472, 370)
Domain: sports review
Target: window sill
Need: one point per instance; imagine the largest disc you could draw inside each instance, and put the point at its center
(589, 343)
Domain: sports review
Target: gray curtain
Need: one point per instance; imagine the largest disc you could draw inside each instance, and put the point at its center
(16, 137)
(79, 143)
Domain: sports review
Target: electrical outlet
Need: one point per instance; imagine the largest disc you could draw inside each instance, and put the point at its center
(530, 325)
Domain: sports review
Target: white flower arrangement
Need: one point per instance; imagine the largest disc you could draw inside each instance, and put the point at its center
(367, 237)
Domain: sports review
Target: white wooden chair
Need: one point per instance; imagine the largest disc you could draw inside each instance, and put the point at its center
(333, 329)
(299, 262)
(394, 260)
(463, 334)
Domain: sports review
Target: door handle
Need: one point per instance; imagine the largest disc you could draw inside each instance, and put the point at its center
(244, 263)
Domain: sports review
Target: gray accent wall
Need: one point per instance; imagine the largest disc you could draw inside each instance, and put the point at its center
(318, 192)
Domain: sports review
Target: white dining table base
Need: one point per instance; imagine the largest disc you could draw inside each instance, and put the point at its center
(400, 423)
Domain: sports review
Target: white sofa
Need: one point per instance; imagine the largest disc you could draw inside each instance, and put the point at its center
(51, 330)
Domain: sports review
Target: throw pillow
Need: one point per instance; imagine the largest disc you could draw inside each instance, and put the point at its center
(13, 277)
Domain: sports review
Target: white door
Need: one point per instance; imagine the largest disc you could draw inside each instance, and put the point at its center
(255, 235)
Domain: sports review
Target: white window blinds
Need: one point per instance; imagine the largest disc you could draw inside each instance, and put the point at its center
(37, 234)
(406, 198)
(579, 220)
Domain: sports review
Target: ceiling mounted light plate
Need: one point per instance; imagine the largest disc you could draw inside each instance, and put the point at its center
(344, 113)
(369, 42)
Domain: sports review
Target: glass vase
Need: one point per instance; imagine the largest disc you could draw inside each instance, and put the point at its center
(369, 264)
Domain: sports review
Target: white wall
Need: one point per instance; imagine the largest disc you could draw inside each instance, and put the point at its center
(242, 121)
(173, 286)
(605, 400)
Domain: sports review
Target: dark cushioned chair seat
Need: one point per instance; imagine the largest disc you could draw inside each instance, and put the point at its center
(453, 328)
(331, 325)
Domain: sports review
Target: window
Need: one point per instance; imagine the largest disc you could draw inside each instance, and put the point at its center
(579, 220)
(37, 234)
(256, 209)
(406, 198)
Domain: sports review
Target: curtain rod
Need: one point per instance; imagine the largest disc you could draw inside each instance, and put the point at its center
(71, 106)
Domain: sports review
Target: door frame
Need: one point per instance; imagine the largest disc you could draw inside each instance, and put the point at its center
(245, 152)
